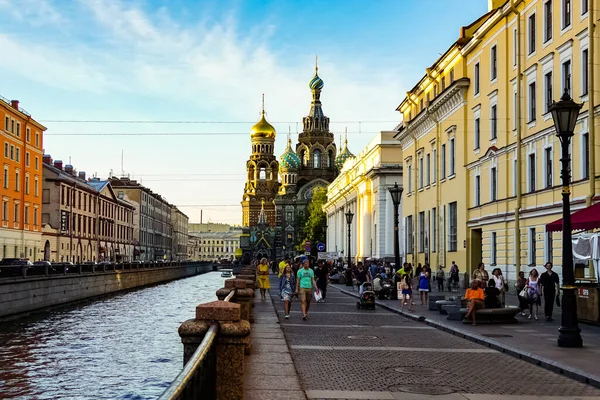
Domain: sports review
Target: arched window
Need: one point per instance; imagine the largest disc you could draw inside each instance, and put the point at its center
(303, 157)
(262, 174)
(330, 159)
(317, 159)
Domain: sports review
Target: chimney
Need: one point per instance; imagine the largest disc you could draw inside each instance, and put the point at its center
(47, 159)
(15, 104)
(81, 175)
(58, 164)
(69, 169)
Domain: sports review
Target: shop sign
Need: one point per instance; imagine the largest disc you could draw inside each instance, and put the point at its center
(64, 222)
(584, 293)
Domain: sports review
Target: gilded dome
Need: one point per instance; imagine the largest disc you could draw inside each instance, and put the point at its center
(289, 159)
(343, 156)
(263, 129)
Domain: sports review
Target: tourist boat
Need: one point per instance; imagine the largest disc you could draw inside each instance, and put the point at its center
(226, 273)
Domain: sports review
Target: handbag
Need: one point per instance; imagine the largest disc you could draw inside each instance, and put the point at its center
(523, 292)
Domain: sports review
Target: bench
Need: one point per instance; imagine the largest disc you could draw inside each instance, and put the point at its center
(451, 301)
(505, 315)
(432, 299)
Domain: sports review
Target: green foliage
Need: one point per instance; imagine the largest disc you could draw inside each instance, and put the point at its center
(315, 226)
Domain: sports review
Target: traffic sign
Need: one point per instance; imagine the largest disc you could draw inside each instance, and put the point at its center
(307, 243)
(320, 246)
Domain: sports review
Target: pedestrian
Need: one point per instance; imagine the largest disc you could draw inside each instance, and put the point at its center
(287, 283)
(550, 283)
(481, 275)
(500, 284)
(453, 281)
(282, 265)
(424, 286)
(361, 275)
(492, 295)
(322, 274)
(475, 297)
(440, 278)
(262, 272)
(305, 282)
(520, 285)
(405, 290)
(533, 293)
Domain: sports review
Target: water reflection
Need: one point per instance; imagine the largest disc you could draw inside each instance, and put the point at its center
(121, 347)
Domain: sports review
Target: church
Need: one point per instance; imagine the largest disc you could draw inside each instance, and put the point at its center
(277, 193)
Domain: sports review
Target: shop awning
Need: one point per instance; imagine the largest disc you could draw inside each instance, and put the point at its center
(582, 220)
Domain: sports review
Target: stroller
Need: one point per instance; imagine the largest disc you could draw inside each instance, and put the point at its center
(367, 298)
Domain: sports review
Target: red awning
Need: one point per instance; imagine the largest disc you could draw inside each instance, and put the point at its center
(582, 220)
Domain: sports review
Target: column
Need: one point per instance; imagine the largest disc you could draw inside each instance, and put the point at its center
(366, 229)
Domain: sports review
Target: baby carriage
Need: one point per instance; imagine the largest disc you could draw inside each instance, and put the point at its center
(367, 297)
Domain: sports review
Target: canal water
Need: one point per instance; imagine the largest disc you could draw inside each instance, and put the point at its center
(125, 346)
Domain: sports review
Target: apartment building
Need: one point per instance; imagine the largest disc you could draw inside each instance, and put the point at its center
(483, 170)
(214, 246)
(22, 137)
(180, 234)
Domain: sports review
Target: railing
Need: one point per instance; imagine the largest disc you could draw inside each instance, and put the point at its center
(198, 378)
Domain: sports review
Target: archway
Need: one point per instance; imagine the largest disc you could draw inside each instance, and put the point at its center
(47, 251)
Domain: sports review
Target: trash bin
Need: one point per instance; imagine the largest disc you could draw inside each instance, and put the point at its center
(588, 302)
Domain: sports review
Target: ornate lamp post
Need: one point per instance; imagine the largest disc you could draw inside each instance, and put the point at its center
(564, 114)
(349, 217)
(396, 193)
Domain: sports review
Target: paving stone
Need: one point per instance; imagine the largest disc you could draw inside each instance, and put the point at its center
(254, 394)
(269, 348)
(264, 382)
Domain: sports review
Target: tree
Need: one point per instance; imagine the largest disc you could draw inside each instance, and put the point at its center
(316, 221)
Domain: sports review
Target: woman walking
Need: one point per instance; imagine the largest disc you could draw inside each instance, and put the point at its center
(406, 292)
(533, 293)
(424, 286)
(521, 283)
(287, 283)
(262, 272)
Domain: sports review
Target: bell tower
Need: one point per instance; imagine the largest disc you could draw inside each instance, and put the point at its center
(262, 183)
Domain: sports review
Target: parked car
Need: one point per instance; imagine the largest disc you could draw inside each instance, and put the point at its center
(14, 266)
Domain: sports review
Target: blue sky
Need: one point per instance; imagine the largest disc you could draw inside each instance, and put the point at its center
(193, 60)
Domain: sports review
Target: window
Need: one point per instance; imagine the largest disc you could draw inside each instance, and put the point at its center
(409, 178)
(26, 215)
(548, 164)
(421, 245)
(452, 227)
(6, 150)
(6, 177)
(494, 184)
(584, 7)
(566, 13)
(548, 91)
(27, 159)
(443, 83)
(433, 229)
(452, 75)
(585, 155)
(16, 213)
(421, 104)
(12, 152)
(548, 20)
(477, 190)
(37, 139)
(494, 62)
(12, 126)
(428, 166)
(17, 181)
(532, 257)
(548, 247)
(434, 165)
(26, 184)
(421, 172)
(494, 122)
(515, 45)
(566, 71)
(452, 157)
(18, 155)
(477, 132)
(37, 163)
(493, 247)
(443, 161)
(532, 100)
(515, 110)
(532, 172)
(531, 34)
(28, 135)
(18, 129)
(5, 210)
(317, 159)
(410, 242)
(584, 72)
(477, 79)
(6, 124)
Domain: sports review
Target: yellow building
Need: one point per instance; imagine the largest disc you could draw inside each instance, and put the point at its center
(362, 188)
(479, 144)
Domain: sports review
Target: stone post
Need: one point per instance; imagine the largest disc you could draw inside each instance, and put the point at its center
(232, 339)
(192, 333)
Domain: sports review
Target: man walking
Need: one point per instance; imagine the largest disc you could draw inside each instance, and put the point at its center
(304, 283)
(322, 273)
(550, 283)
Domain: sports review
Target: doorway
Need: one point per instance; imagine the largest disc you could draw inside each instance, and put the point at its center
(475, 250)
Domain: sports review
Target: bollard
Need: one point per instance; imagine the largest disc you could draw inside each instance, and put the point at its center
(233, 337)
(192, 333)
(223, 292)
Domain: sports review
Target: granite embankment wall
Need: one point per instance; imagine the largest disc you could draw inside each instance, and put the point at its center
(24, 295)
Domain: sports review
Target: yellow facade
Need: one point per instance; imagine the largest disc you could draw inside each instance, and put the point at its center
(509, 64)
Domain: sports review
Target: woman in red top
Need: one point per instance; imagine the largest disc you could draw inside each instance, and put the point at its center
(475, 296)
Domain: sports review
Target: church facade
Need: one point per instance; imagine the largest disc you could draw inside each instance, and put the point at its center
(287, 186)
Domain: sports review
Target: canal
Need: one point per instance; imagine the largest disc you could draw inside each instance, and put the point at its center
(124, 346)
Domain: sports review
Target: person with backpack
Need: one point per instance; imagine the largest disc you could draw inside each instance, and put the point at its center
(440, 278)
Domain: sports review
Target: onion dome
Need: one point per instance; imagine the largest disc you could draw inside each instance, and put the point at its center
(289, 159)
(263, 129)
(316, 83)
(343, 156)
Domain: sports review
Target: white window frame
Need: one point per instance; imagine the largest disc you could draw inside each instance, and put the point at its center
(546, 183)
(583, 46)
(493, 248)
(493, 170)
(548, 250)
(443, 162)
(584, 155)
(494, 72)
(531, 50)
(476, 79)
(531, 247)
(547, 40)
(452, 165)
(477, 191)
(434, 153)
(428, 170)
(564, 28)
(530, 187)
(515, 101)
(477, 135)
(531, 102)
(409, 177)
(421, 172)
(514, 175)
(515, 45)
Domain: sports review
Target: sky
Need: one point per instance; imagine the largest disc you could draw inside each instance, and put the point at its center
(166, 91)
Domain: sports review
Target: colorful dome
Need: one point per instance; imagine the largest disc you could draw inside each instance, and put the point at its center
(289, 159)
(316, 83)
(263, 129)
(343, 156)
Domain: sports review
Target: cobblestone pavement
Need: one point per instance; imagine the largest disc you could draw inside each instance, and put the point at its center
(344, 353)
(529, 336)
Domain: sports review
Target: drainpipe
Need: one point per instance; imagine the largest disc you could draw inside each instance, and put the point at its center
(518, 148)
(591, 113)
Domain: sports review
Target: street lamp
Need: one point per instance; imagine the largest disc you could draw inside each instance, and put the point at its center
(349, 217)
(564, 114)
(396, 193)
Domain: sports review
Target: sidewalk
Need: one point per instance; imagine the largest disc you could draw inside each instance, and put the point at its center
(533, 341)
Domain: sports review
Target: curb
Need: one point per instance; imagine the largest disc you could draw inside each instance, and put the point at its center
(546, 363)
